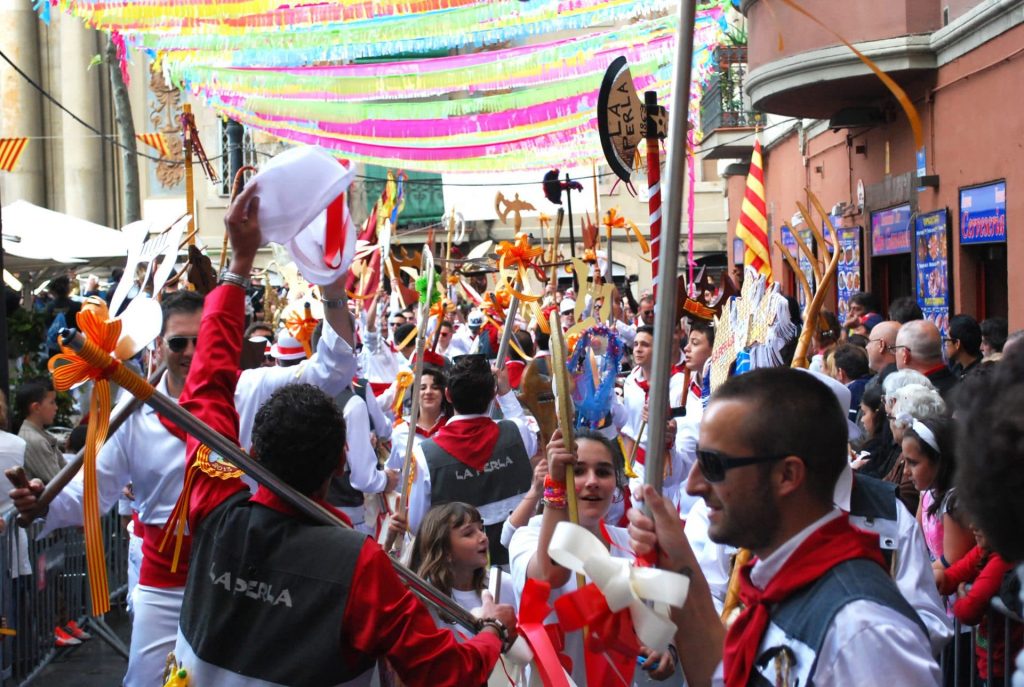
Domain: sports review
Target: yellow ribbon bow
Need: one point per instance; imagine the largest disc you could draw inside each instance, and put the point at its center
(402, 383)
(613, 220)
(302, 328)
(95, 362)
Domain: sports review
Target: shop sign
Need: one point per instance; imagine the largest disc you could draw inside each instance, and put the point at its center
(850, 272)
(983, 214)
(931, 261)
(890, 231)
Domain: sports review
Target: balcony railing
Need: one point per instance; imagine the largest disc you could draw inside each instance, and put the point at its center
(724, 104)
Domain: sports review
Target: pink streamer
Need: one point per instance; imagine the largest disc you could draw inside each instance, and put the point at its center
(690, 203)
(420, 154)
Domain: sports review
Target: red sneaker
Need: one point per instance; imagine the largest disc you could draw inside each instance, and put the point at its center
(63, 639)
(75, 631)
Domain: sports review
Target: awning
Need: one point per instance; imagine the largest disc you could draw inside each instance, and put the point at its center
(35, 238)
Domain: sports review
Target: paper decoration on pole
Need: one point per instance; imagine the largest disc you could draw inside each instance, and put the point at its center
(156, 142)
(503, 207)
(10, 152)
(752, 227)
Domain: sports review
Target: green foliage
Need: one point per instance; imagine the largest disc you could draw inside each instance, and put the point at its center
(26, 332)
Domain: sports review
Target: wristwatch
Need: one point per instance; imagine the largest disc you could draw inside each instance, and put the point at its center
(228, 277)
(333, 302)
(499, 627)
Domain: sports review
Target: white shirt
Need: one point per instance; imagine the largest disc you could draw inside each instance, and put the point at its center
(144, 453)
(866, 643)
(12, 455)
(522, 548)
(359, 454)
(463, 342)
(419, 499)
(379, 361)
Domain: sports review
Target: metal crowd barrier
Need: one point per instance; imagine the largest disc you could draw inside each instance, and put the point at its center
(1003, 623)
(44, 585)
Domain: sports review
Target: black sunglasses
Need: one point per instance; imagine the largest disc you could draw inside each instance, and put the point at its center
(714, 465)
(178, 344)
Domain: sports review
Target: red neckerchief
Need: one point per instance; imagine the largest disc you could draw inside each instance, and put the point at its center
(469, 441)
(932, 370)
(644, 385)
(433, 430)
(831, 544)
(265, 497)
(695, 388)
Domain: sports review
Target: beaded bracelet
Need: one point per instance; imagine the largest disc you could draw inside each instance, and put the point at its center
(553, 483)
(554, 497)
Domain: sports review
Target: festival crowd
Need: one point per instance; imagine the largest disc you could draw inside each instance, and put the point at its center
(839, 518)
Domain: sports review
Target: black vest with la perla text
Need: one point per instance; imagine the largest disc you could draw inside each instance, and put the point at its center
(801, 622)
(495, 491)
(266, 595)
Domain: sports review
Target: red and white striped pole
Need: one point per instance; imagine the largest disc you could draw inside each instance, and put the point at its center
(653, 186)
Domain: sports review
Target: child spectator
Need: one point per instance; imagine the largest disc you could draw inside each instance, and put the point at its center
(976, 579)
(36, 405)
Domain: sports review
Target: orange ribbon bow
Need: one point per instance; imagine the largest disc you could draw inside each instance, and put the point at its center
(613, 220)
(302, 328)
(95, 362)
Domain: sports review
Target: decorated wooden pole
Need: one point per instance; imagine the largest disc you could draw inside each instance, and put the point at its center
(408, 470)
(190, 190)
(99, 359)
(566, 413)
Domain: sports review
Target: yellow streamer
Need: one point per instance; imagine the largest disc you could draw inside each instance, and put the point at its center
(402, 382)
(894, 88)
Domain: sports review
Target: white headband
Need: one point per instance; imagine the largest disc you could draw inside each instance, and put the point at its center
(921, 429)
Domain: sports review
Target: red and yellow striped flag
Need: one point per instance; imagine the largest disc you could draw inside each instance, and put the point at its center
(157, 142)
(752, 227)
(10, 152)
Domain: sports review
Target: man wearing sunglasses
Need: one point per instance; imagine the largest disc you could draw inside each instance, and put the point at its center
(819, 603)
(148, 452)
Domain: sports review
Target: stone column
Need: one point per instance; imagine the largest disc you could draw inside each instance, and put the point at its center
(21, 109)
(80, 92)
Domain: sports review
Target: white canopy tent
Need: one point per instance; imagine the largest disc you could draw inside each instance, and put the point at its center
(35, 238)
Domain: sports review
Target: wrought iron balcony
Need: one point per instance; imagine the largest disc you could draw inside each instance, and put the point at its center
(725, 104)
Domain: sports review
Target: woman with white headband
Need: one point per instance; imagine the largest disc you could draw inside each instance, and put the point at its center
(928, 452)
(927, 448)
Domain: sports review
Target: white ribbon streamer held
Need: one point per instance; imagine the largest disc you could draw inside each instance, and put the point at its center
(623, 585)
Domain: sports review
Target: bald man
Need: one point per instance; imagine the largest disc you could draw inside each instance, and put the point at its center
(881, 358)
(919, 347)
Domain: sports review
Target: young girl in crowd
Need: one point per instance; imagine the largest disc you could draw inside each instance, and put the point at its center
(451, 552)
(930, 465)
(975, 580)
(593, 463)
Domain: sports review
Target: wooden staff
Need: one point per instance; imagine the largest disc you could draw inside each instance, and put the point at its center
(236, 186)
(56, 485)
(408, 472)
(227, 449)
(560, 378)
(190, 189)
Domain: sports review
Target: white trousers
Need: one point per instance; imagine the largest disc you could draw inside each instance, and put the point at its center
(154, 630)
(134, 564)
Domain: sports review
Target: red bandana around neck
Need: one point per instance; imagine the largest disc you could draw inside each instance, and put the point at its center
(831, 544)
(644, 385)
(470, 441)
(433, 430)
